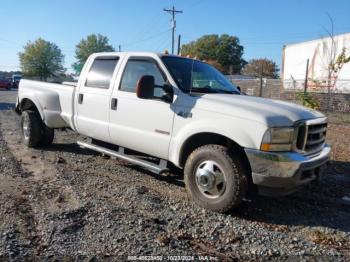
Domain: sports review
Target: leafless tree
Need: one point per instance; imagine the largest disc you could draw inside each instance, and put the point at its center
(330, 49)
(334, 59)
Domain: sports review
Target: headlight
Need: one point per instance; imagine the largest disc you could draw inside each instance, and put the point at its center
(278, 139)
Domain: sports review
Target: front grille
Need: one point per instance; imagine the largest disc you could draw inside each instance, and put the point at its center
(311, 138)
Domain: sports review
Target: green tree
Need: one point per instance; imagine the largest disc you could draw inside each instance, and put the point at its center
(337, 65)
(261, 67)
(91, 44)
(41, 59)
(223, 49)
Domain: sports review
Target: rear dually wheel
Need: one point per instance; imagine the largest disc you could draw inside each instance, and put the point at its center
(34, 131)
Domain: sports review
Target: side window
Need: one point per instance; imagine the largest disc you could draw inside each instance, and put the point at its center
(101, 72)
(135, 68)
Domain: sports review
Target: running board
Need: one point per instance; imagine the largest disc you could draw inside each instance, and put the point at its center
(158, 169)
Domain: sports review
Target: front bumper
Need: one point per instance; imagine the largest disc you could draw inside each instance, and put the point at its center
(282, 173)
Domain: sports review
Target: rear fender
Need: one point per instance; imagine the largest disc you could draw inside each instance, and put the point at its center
(27, 102)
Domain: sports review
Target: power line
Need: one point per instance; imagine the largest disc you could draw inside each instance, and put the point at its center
(274, 39)
(150, 26)
(173, 12)
(163, 43)
(145, 39)
(10, 42)
(196, 3)
(9, 65)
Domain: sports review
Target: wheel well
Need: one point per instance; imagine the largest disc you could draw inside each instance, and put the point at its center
(202, 139)
(27, 104)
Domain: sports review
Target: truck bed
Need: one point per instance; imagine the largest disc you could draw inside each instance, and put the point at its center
(55, 102)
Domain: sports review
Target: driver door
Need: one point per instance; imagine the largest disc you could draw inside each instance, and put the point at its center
(144, 125)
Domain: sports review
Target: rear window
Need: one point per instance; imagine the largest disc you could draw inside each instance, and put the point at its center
(101, 72)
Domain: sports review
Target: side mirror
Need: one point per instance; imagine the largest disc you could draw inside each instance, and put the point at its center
(145, 87)
(168, 93)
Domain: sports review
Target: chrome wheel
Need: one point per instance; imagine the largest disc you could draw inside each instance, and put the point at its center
(210, 179)
(25, 128)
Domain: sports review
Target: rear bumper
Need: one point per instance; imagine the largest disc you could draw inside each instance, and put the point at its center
(283, 173)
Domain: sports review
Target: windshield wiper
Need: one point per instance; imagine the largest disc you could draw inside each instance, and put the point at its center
(212, 90)
(203, 90)
(226, 91)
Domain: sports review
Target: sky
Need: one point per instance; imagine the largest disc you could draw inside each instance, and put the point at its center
(262, 26)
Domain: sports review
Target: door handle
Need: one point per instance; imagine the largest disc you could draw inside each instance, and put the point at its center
(114, 103)
(80, 98)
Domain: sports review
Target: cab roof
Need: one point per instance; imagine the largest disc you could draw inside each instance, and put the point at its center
(136, 53)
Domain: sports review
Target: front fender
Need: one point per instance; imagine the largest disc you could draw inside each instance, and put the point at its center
(246, 133)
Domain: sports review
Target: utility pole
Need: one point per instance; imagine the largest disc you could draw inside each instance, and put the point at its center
(306, 75)
(173, 12)
(178, 44)
(261, 79)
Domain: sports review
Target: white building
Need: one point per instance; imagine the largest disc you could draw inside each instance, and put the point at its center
(318, 52)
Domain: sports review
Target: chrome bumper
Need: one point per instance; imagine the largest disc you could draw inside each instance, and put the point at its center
(282, 173)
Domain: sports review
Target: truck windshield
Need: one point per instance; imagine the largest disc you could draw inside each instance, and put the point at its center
(193, 76)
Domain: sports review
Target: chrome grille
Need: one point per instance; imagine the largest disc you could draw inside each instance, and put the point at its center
(311, 137)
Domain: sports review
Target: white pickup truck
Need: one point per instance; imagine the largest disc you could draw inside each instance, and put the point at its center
(181, 111)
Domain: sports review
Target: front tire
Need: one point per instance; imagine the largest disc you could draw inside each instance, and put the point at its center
(215, 178)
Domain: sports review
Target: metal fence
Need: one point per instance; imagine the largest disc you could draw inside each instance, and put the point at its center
(338, 100)
(335, 86)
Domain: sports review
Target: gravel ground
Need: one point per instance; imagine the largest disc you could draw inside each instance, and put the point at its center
(64, 203)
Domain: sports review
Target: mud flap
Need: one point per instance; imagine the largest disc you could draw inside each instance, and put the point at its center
(320, 173)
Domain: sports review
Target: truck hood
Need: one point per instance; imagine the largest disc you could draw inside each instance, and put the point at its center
(271, 112)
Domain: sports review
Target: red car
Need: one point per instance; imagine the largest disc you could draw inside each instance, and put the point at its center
(5, 83)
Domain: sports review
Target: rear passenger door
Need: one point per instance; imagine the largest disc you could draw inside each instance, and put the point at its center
(93, 98)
